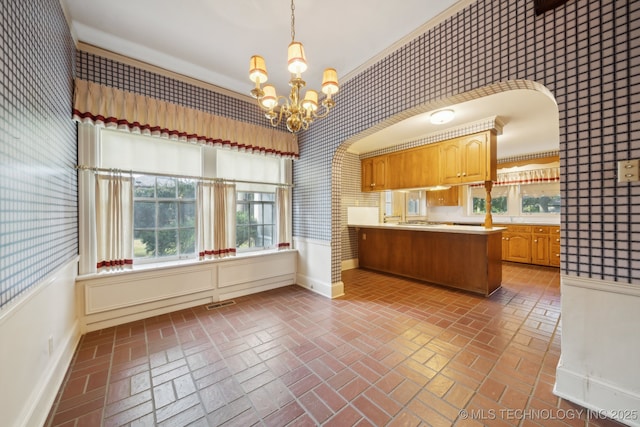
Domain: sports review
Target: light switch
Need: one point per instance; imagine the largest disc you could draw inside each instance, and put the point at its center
(628, 170)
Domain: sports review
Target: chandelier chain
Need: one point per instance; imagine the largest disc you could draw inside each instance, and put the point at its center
(293, 21)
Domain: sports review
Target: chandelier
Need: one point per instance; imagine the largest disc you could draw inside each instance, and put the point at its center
(299, 112)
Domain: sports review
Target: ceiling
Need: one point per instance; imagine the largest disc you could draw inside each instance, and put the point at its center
(212, 41)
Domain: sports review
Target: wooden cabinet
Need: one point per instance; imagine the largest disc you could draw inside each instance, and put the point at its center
(531, 244)
(516, 246)
(414, 168)
(464, 261)
(471, 158)
(540, 249)
(443, 197)
(374, 173)
(554, 247)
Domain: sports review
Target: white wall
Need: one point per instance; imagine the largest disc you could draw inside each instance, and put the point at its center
(598, 367)
(38, 336)
(314, 267)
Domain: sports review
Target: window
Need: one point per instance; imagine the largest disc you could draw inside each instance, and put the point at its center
(499, 200)
(540, 198)
(164, 211)
(165, 207)
(255, 220)
(517, 199)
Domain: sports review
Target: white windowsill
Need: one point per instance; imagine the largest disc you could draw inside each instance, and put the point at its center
(140, 268)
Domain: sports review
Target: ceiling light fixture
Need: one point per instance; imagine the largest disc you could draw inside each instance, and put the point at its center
(300, 113)
(442, 116)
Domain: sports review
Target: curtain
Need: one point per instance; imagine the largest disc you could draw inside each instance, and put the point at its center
(532, 174)
(283, 216)
(541, 175)
(110, 107)
(216, 220)
(114, 221)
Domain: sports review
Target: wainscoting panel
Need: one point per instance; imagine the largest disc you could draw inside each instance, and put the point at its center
(598, 367)
(106, 300)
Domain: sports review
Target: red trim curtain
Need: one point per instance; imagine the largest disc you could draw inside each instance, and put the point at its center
(283, 216)
(216, 220)
(114, 221)
(106, 106)
(534, 175)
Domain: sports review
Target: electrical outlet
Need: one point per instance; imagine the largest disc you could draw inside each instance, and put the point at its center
(628, 170)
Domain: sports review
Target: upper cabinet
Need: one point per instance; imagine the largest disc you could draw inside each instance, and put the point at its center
(414, 168)
(374, 174)
(467, 159)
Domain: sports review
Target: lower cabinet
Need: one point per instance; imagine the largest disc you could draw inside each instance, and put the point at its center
(469, 261)
(531, 244)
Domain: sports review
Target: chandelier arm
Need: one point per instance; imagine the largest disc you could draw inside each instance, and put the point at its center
(323, 114)
(275, 123)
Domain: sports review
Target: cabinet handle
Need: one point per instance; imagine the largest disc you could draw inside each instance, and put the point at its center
(373, 185)
(557, 240)
(539, 229)
(535, 241)
(464, 174)
(458, 174)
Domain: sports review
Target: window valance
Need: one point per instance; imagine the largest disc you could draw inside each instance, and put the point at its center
(105, 106)
(531, 176)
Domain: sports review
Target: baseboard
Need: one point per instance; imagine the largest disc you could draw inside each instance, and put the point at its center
(325, 289)
(349, 264)
(597, 394)
(44, 394)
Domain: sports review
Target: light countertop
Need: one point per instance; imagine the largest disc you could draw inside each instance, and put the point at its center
(438, 228)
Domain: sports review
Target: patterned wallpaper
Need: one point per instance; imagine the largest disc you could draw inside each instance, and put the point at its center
(38, 185)
(584, 52)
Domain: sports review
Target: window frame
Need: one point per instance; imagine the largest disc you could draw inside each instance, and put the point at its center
(158, 228)
(250, 204)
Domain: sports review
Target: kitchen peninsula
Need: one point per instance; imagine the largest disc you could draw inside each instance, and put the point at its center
(460, 256)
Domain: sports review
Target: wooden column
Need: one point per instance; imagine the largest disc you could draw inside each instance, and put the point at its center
(488, 219)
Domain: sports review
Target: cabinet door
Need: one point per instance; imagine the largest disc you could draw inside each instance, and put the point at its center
(473, 152)
(428, 164)
(540, 249)
(519, 247)
(554, 247)
(367, 175)
(397, 178)
(505, 245)
(443, 197)
(379, 173)
(450, 172)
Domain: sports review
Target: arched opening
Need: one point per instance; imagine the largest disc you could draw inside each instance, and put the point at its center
(527, 115)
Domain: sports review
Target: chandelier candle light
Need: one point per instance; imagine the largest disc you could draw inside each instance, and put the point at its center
(300, 113)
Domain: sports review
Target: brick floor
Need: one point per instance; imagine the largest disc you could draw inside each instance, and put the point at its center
(391, 352)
